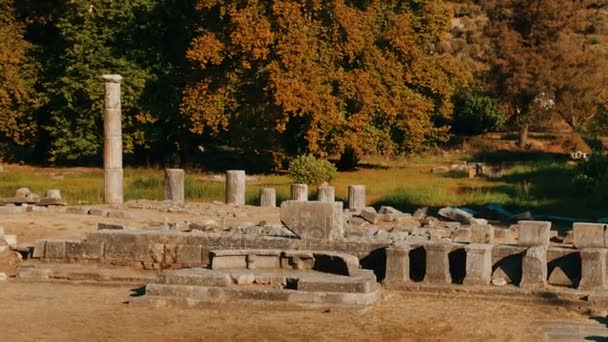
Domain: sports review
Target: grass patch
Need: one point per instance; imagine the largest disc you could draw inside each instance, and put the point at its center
(541, 184)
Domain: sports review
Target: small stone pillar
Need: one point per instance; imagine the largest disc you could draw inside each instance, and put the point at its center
(534, 267)
(112, 141)
(438, 263)
(356, 197)
(174, 185)
(235, 187)
(326, 193)
(299, 192)
(479, 264)
(54, 194)
(268, 197)
(593, 269)
(397, 264)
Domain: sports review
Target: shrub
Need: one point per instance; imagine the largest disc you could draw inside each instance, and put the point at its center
(309, 170)
(475, 112)
(592, 177)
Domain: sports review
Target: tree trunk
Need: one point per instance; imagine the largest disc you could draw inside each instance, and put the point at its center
(523, 136)
(348, 160)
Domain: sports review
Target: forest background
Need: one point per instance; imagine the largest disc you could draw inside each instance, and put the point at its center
(271, 80)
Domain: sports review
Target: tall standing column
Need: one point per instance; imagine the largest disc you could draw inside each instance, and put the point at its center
(235, 187)
(112, 141)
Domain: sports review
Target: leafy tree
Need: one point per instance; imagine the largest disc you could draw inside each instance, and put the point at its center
(143, 40)
(526, 36)
(18, 73)
(321, 76)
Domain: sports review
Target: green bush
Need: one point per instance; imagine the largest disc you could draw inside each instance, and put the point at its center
(475, 112)
(591, 177)
(309, 170)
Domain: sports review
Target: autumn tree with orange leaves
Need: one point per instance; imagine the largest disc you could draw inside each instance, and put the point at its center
(321, 77)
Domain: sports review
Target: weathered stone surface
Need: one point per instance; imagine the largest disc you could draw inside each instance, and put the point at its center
(77, 210)
(313, 220)
(10, 239)
(55, 249)
(593, 269)
(39, 249)
(255, 261)
(22, 193)
(83, 250)
(482, 233)
(174, 185)
(559, 277)
(298, 260)
(326, 193)
(461, 235)
(246, 278)
(438, 263)
(268, 197)
(589, 235)
(534, 267)
(356, 197)
(190, 255)
(456, 214)
(110, 226)
(228, 261)
(397, 264)
(299, 192)
(99, 212)
(235, 187)
(370, 215)
(534, 233)
(479, 264)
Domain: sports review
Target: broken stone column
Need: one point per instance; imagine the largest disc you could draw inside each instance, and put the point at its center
(438, 263)
(356, 197)
(397, 264)
(299, 192)
(534, 267)
(268, 197)
(326, 193)
(54, 194)
(235, 187)
(112, 141)
(593, 269)
(174, 185)
(589, 235)
(479, 264)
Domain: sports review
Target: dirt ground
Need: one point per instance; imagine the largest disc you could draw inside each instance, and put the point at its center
(67, 312)
(71, 312)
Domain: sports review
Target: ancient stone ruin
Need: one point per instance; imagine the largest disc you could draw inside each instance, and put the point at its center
(307, 253)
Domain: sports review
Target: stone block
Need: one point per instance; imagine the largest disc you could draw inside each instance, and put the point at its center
(438, 263)
(398, 263)
(534, 233)
(370, 215)
(299, 260)
(77, 210)
(83, 250)
(98, 212)
(228, 262)
(482, 233)
(456, 214)
(589, 235)
(534, 267)
(593, 269)
(313, 220)
(39, 249)
(263, 261)
(55, 249)
(479, 264)
(190, 255)
(461, 235)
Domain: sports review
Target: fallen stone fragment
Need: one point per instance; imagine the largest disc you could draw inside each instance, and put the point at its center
(440, 169)
(420, 213)
(456, 214)
(370, 215)
(3, 276)
(499, 281)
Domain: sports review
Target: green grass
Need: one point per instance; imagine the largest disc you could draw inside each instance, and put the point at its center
(541, 184)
